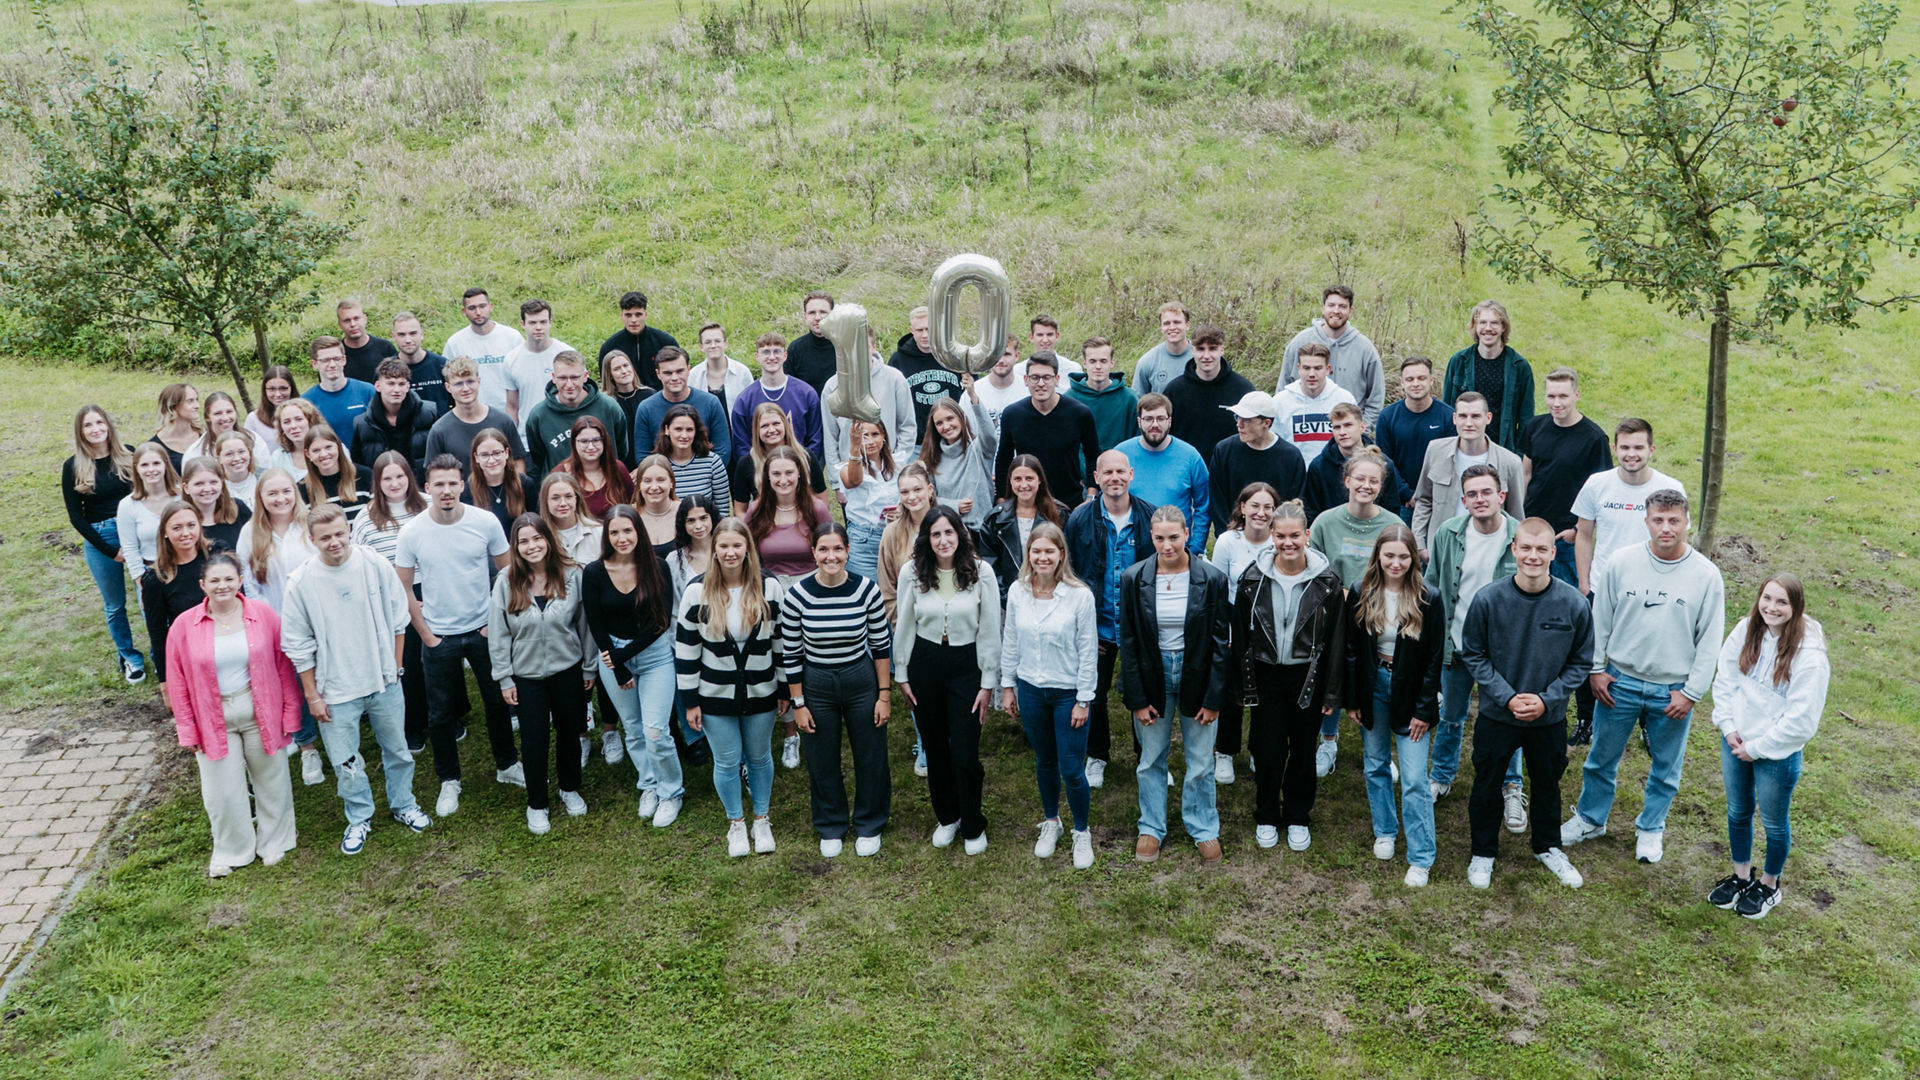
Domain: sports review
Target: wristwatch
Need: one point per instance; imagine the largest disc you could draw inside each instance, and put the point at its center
(800, 702)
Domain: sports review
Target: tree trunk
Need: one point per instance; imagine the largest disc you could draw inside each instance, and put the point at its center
(233, 367)
(260, 350)
(1713, 455)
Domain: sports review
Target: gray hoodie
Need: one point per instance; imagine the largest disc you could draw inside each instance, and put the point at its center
(1356, 366)
(1287, 591)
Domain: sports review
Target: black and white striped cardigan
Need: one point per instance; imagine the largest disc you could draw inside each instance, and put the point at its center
(727, 677)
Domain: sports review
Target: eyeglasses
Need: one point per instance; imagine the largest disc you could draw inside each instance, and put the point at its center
(589, 440)
(490, 455)
(1042, 379)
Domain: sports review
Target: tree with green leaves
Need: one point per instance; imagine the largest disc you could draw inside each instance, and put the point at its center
(1726, 160)
(150, 201)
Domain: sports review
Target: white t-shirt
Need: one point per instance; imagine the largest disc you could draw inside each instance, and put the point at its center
(490, 353)
(453, 565)
(1618, 510)
(528, 373)
(1476, 573)
(1170, 609)
(995, 400)
(1390, 632)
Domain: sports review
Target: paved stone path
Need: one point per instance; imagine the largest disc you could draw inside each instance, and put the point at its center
(59, 795)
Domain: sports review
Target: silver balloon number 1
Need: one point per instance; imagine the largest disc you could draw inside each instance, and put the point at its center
(852, 396)
(990, 283)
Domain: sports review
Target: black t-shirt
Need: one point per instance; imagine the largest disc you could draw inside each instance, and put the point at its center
(364, 360)
(429, 380)
(1563, 458)
(227, 537)
(641, 348)
(746, 481)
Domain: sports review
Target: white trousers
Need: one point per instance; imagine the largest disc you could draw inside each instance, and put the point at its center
(237, 836)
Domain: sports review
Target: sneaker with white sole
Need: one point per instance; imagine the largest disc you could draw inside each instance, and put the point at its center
(1578, 829)
(136, 674)
(1480, 871)
(449, 800)
(737, 843)
(1325, 756)
(1513, 803)
(1757, 901)
(790, 752)
(1266, 835)
(1223, 768)
(356, 838)
(586, 751)
(866, 846)
(214, 870)
(829, 848)
(1439, 788)
(311, 772)
(667, 813)
(1299, 837)
(1096, 773)
(943, 834)
(649, 803)
(762, 836)
(1383, 847)
(576, 806)
(537, 822)
(1050, 831)
(413, 818)
(1416, 877)
(975, 844)
(1726, 892)
(613, 750)
(1556, 860)
(1082, 849)
(1648, 847)
(1393, 771)
(920, 766)
(515, 774)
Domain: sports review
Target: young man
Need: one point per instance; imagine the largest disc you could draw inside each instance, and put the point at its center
(1167, 471)
(1659, 614)
(1161, 364)
(1355, 362)
(1438, 494)
(1043, 332)
(452, 552)
(1002, 387)
(810, 356)
(1112, 404)
(397, 419)
(1306, 404)
(639, 341)
(1254, 452)
(1104, 537)
(571, 396)
(1200, 396)
(343, 623)
(340, 400)
(487, 344)
(794, 397)
(1491, 368)
(1405, 428)
(1558, 452)
(671, 366)
(425, 370)
(529, 368)
(719, 374)
(364, 351)
(1610, 511)
(1526, 641)
(453, 433)
(1326, 485)
(928, 381)
(1057, 431)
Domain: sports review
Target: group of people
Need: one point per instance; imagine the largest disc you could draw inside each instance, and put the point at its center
(701, 553)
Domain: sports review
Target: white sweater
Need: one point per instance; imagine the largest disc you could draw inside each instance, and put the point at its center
(342, 621)
(1051, 643)
(971, 616)
(1774, 721)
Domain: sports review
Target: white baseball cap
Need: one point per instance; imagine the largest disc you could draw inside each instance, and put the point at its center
(1255, 403)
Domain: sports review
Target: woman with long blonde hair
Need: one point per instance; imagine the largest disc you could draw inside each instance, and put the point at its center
(274, 545)
(137, 519)
(296, 417)
(220, 416)
(771, 429)
(222, 517)
(871, 481)
(658, 501)
(92, 483)
(240, 464)
(180, 427)
(333, 476)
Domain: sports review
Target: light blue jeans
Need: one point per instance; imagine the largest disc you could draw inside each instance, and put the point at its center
(110, 577)
(1456, 687)
(1415, 797)
(734, 736)
(1765, 785)
(646, 708)
(863, 549)
(1199, 812)
(1059, 748)
(386, 713)
(1634, 702)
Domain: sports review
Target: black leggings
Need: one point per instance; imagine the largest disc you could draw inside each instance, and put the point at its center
(556, 704)
(945, 681)
(1283, 737)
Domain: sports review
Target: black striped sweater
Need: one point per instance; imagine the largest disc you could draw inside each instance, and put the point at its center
(728, 677)
(831, 625)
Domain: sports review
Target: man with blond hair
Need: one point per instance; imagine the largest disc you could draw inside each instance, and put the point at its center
(1495, 370)
(1164, 362)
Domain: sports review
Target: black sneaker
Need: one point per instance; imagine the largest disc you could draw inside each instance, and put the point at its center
(132, 672)
(1728, 890)
(462, 737)
(1582, 732)
(1757, 901)
(700, 753)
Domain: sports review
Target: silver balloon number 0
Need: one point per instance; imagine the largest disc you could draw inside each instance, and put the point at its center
(852, 396)
(990, 283)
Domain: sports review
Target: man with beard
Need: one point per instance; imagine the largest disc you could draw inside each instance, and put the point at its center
(1168, 471)
(1355, 362)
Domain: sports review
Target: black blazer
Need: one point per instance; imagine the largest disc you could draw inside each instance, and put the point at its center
(1416, 667)
(1203, 671)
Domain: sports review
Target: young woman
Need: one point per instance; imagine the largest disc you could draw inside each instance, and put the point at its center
(624, 386)
(296, 417)
(332, 476)
(92, 483)
(960, 452)
(726, 653)
(1345, 534)
(684, 442)
(543, 658)
(917, 496)
(493, 484)
(171, 586)
(1249, 536)
(1049, 653)
(630, 607)
(783, 528)
(659, 503)
(833, 625)
(239, 465)
(692, 550)
(770, 431)
(1003, 536)
(180, 429)
(137, 518)
(1394, 652)
(396, 501)
(1173, 666)
(276, 389)
(1288, 647)
(222, 517)
(871, 481)
(221, 417)
(1767, 701)
(274, 545)
(947, 643)
(235, 700)
(605, 482)
(579, 538)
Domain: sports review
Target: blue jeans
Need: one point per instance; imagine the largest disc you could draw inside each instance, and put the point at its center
(646, 708)
(1415, 797)
(1059, 748)
(1767, 786)
(386, 713)
(1199, 812)
(1456, 686)
(1634, 702)
(110, 577)
(1563, 567)
(863, 549)
(731, 737)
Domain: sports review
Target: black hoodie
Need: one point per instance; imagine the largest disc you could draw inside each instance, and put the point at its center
(373, 436)
(1200, 418)
(926, 379)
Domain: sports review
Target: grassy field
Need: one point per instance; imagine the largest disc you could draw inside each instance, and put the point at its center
(1235, 156)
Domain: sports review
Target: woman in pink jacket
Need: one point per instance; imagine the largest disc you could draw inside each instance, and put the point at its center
(235, 701)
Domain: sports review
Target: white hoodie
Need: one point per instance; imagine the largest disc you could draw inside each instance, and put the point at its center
(1355, 366)
(1774, 721)
(1304, 421)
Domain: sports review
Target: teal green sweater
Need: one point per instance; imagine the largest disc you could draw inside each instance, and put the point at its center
(1116, 409)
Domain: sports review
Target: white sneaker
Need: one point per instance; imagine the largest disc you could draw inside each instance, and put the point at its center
(1171, 783)
(737, 844)
(1383, 847)
(649, 804)
(866, 846)
(311, 772)
(1222, 769)
(1266, 836)
(976, 845)
(762, 836)
(1437, 789)
(1480, 871)
(1299, 838)
(1556, 860)
(1648, 847)
(829, 849)
(449, 800)
(1514, 803)
(1325, 755)
(355, 839)
(1082, 849)
(576, 806)
(537, 822)
(1416, 877)
(1393, 770)
(943, 835)
(1096, 773)
(1577, 829)
(515, 774)
(790, 752)
(669, 810)
(1049, 839)
(586, 750)
(919, 767)
(613, 749)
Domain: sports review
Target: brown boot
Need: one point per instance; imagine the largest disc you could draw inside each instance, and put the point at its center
(1210, 853)
(1146, 849)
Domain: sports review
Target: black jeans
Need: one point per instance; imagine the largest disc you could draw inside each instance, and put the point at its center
(555, 705)
(842, 697)
(413, 687)
(447, 696)
(1282, 737)
(945, 680)
(1544, 749)
(1099, 727)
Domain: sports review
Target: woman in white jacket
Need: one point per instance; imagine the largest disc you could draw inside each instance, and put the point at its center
(1767, 701)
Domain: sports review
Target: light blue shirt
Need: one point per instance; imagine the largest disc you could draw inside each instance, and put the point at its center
(1174, 475)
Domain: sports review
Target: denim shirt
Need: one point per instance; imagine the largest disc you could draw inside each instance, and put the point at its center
(1119, 542)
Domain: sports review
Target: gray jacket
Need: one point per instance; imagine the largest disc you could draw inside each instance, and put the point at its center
(1436, 493)
(540, 642)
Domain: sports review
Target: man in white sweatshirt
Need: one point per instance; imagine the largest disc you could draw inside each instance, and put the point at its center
(342, 624)
(1355, 362)
(1306, 404)
(1659, 612)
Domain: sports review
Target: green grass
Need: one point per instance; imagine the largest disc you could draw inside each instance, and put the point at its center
(1238, 156)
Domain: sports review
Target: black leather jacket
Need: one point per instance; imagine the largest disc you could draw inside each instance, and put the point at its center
(1203, 667)
(1319, 634)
